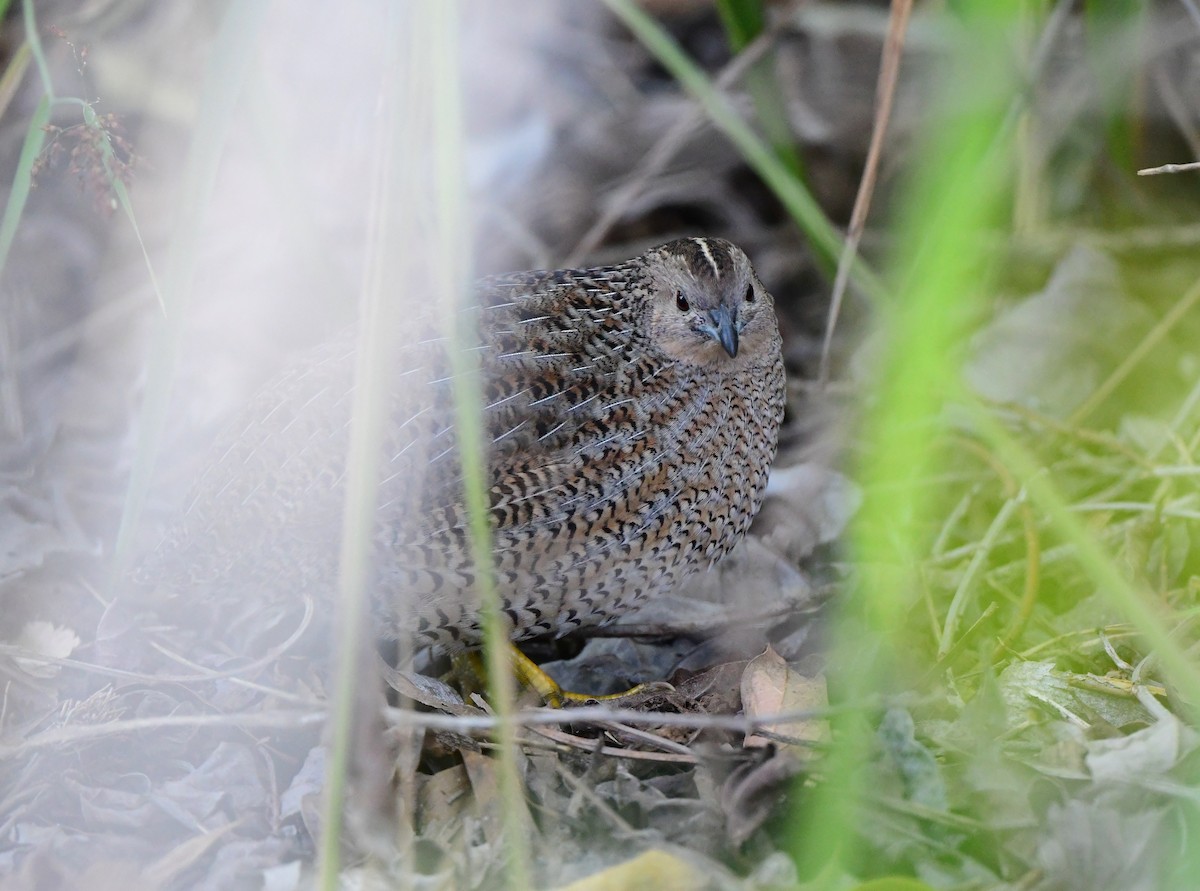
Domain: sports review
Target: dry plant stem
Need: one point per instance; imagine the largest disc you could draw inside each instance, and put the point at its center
(1051, 243)
(660, 155)
(1037, 62)
(107, 671)
(582, 786)
(1123, 631)
(430, 720)
(1169, 168)
(665, 745)
(285, 718)
(885, 95)
(598, 713)
(589, 745)
(1029, 195)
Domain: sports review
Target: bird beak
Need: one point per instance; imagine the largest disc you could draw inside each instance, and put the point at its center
(724, 328)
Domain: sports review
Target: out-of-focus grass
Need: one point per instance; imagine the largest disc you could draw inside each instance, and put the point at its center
(228, 67)
(391, 256)
(453, 276)
(231, 56)
(422, 132)
(939, 270)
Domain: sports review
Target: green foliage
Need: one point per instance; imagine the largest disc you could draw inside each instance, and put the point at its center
(1025, 575)
(743, 21)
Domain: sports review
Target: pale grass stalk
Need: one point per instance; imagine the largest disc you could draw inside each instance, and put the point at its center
(452, 252)
(389, 256)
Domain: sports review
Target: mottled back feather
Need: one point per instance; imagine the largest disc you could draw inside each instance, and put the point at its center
(627, 447)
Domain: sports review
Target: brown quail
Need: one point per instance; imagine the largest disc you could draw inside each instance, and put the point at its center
(632, 412)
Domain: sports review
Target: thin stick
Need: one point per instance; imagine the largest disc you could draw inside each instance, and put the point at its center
(889, 69)
(1169, 168)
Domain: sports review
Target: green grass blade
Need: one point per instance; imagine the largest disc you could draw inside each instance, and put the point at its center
(795, 197)
(744, 20)
(35, 139)
(14, 73)
(122, 196)
(1153, 620)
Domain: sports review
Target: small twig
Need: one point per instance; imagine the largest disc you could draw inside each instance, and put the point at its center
(203, 674)
(597, 713)
(582, 787)
(1169, 168)
(1112, 653)
(588, 745)
(666, 745)
(78, 733)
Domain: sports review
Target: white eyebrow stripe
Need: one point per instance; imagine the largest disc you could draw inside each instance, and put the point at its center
(703, 244)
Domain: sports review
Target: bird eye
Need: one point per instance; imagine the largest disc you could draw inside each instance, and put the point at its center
(749, 298)
(681, 302)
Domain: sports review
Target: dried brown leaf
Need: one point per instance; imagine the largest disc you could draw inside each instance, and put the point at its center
(771, 687)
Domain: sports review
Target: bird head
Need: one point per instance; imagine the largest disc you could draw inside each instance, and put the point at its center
(708, 307)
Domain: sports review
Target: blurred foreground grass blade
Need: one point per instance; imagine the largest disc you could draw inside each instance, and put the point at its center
(229, 63)
(35, 139)
(790, 191)
(391, 256)
(452, 257)
(14, 73)
(956, 193)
